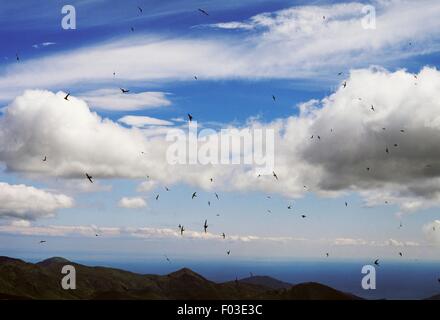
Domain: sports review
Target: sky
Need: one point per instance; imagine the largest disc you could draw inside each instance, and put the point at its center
(351, 97)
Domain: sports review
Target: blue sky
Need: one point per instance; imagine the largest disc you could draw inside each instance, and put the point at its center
(275, 48)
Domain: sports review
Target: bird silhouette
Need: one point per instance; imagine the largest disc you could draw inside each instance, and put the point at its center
(386, 150)
(275, 175)
(168, 259)
(228, 252)
(345, 84)
(89, 177)
(204, 12)
(45, 159)
(167, 189)
(140, 9)
(216, 195)
(195, 77)
(67, 97)
(368, 169)
(400, 254)
(274, 98)
(132, 29)
(190, 117)
(372, 108)
(194, 195)
(182, 228)
(205, 226)
(327, 254)
(157, 197)
(303, 216)
(42, 241)
(223, 235)
(403, 131)
(209, 203)
(376, 262)
(346, 204)
(396, 145)
(339, 73)
(289, 206)
(124, 90)
(17, 57)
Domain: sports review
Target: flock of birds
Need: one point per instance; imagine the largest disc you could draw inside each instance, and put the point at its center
(181, 228)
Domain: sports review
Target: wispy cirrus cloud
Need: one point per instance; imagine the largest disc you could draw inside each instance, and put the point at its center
(291, 43)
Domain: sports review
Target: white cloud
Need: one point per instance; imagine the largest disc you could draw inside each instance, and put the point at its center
(114, 99)
(146, 186)
(43, 44)
(432, 232)
(132, 203)
(290, 43)
(142, 121)
(352, 140)
(27, 203)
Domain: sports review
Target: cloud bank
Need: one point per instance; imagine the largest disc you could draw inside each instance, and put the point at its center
(370, 135)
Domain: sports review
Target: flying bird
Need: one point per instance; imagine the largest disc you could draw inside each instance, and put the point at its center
(166, 189)
(345, 84)
(168, 259)
(346, 204)
(269, 211)
(89, 177)
(205, 226)
(396, 145)
(42, 241)
(124, 90)
(216, 195)
(289, 206)
(209, 203)
(275, 175)
(67, 97)
(223, 235)
(228, 252)
(339, 73)
(376, 262)
(400, 254)
(274, 98)
(372, 107)
(132, 29)
(403, 131)
(17, 57)
(327, 254)
(190, 117)
(157, 197)
(181, 230)
(194, 195)
(303, 216)
(387, 151)
(45, 159)
(140, 9)
(204, 12)
(368, 169)
(195, 77)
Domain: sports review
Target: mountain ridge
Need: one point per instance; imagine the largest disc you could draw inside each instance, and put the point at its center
(42, 280)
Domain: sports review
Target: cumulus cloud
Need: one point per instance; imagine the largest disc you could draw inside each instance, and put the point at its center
(142, 121)
(132, 203)
(353, 137)
(290, 43)
(28, 203)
